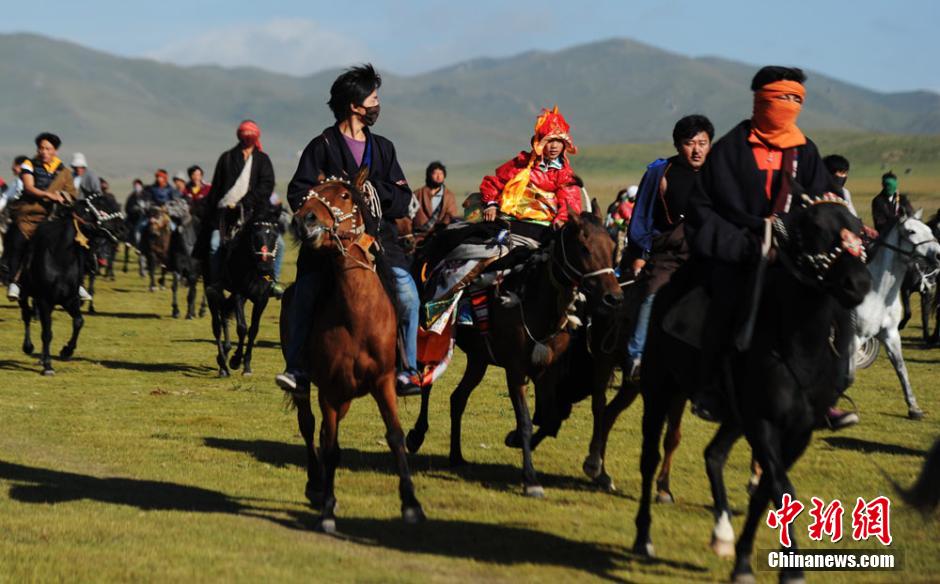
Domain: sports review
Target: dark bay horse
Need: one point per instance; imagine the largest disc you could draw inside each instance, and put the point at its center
(54, 270)
(247, 274)
(527, 338)
(155, 244)
(352, 341)
(103, 244)
(184, 267)
(779, 388)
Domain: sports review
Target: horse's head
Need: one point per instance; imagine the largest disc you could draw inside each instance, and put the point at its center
(821, 242)
(585, 255)
(263, 239)
(97, 218)
(329, 214)
(917, 240)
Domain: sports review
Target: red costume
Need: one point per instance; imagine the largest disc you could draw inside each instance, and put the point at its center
(544, 192)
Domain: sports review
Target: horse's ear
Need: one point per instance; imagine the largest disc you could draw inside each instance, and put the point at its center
(919, 214)
(595, 208)
(361, 177)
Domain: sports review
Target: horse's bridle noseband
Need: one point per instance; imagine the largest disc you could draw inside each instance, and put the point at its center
(575, 275)
(264, 252)
(817, 264)
(353, 234)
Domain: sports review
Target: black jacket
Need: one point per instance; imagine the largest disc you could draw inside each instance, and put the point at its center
(883, 212)
(328, 155)
(726, 213)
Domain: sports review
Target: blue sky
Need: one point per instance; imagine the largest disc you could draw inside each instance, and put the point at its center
(882, 45)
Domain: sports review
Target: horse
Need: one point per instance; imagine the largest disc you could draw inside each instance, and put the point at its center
(155, 244)
(247, 273)
(54, 270)
(180, 260)
(351, 347)
(921, 278)
(104, 244)
(526, 338)
(781, 385)
(880, 314)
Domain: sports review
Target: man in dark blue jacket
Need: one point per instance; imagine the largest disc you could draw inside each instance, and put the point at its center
(342, 150)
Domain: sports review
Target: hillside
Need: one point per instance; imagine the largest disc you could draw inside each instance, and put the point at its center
(131, 115)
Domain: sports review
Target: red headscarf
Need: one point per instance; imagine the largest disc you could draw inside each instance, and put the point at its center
(774, 120)
(249, 134)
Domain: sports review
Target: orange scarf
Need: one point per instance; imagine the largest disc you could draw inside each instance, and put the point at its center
(774, 120)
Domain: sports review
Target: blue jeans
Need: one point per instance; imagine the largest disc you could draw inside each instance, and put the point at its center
(215, 258)
(638, 341)
(408, 316)
(307, 288)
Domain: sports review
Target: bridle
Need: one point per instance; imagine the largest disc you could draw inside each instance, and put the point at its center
(908, 253)
(264, 252)
(573, 274)
(102, 217)
(355, 234)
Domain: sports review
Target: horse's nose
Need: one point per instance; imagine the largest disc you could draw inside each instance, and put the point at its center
(613, 300)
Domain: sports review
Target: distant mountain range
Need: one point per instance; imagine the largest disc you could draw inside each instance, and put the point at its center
(132, 115)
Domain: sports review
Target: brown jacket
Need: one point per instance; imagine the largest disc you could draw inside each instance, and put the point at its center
(448, 211)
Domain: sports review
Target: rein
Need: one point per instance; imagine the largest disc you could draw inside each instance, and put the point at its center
(356, 233)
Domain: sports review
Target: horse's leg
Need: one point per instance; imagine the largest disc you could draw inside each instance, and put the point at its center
(516, 382)
(151, 270)
(257, 309)
(162, 277)
(385, 397)
(174, 288)
(216, 310)
(891, 339)
(44, 308)
(26, 313)
(74, 309)
(329, 459)
(622, 400)
(716, 455)
(241, 329)
(906, 306)
(655, 407)
(127, 253)
(926, 309)
(91, 289)
(307, 424)
(192, 289)
(754, 479)
(472, 375)
(670, 445)
(415, 437)
(594, 463)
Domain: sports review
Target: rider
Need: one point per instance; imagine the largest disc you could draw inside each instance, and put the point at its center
(342, 151)
(437, 203)
(889, 204)
(746, 180)
(46, 181)
(243, 181)
(196, 188)
(86, 182)
(656, 236)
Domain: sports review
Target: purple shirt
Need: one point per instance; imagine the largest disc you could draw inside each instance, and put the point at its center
(356, 147)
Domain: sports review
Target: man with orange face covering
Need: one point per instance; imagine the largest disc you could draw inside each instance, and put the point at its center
(749, 175)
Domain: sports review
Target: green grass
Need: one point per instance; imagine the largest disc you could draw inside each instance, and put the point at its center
(136, 463)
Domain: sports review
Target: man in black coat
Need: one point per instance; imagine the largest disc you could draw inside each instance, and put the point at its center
(889, 205)
(243, 182)
(752, 173)
(342, 151)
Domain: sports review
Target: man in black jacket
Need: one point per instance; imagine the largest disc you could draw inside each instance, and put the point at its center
(889, 204)
(750, 175)
(343, 150)
(243, 181)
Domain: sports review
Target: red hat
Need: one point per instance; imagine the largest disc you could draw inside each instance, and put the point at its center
(249, 134)
(551, 125)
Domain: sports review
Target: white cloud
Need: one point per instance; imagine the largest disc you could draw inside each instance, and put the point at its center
(295, 46)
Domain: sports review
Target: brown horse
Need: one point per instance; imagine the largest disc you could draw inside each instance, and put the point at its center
(527, 337)
(352, 341)
(155, 244)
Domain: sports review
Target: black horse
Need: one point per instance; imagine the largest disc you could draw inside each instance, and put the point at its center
(54, 270)
(247, 273)
(103, 244)
(180, 261)
(781, 386)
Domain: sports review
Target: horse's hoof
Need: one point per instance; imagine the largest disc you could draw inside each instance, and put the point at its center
(644, 549)
(247, 373)
(66, 353)
(592, 467)
(915, 414)
(91, 309)
(223, 373)
(190, 316)
(722, 548)
(665, 497)
(413, 441)
(535, 491)
(743, 578)
(153, 288)
(413, 515)
(605, 483)
(50, 372)
(235, 362)
(513, 440)
(327, 525)
(28, 348)
(176, 314)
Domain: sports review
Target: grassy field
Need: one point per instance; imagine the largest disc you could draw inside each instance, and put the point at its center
(136, 463)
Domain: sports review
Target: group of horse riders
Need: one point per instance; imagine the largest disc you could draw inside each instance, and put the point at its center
(708, 205)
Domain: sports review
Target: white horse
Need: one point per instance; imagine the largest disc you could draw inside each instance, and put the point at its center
(880, 313)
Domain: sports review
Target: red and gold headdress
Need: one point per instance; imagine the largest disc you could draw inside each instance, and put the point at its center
(551, 125)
